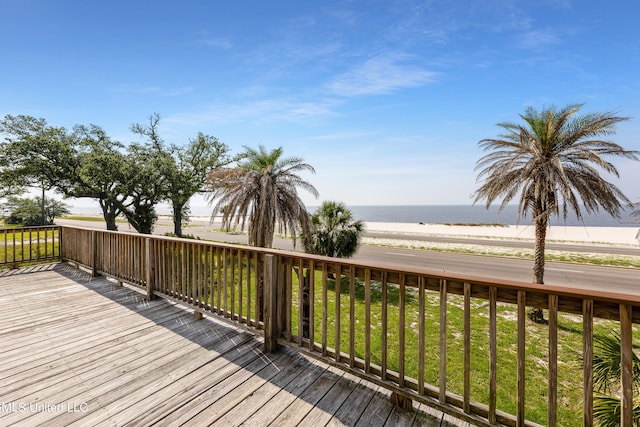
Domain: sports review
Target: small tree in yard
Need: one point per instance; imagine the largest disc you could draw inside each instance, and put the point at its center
(28, 212)
(607, 407)
(263, 192)
(333, 233)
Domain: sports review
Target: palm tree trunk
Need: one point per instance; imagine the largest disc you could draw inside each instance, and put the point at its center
(260, 287)
(538, 257)
(541, 219)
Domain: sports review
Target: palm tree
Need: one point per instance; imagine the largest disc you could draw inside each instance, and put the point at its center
(553, 161)
(262, 189)
(333, 232)
(606, 378)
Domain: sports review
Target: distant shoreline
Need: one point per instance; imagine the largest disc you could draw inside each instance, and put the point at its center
(620, 235)
(447, 214)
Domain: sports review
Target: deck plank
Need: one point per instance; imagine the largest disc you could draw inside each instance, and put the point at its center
(223, 396)
(350, 412)
(308, 399)
(260, 392)
(325, 409)
(80, 351)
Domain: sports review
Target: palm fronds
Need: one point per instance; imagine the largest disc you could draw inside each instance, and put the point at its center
(552, 165)
(262, 192)
(606, 378)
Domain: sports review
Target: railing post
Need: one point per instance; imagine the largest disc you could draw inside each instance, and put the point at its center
(94, 253)
(60, 244)
(587, 362)
(270, 287)
(148, 259)
(626, 364)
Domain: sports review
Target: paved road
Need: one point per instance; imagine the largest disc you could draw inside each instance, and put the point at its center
(612, 279)
(623, 280)
(570, 247)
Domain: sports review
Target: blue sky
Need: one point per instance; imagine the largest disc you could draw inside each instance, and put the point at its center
(386, 99)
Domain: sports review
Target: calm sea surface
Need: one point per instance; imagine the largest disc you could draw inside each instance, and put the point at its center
(441, 214)
(445, 214)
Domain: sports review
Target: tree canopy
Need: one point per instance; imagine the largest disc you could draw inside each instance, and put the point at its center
(183, 168)
(86, 163)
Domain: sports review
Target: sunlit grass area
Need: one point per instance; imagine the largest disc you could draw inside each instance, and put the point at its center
(570, 374)
(26, 247)
(569, 349)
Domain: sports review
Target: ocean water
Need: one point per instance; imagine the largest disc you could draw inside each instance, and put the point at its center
(442, 214)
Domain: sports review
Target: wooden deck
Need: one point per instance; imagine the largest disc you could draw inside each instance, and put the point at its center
(77, 350)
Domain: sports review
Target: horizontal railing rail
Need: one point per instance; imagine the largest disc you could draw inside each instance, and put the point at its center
(458, 343)
(27, 245)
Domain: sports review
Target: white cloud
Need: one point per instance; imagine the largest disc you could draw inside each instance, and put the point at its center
(380, 75)
(339, 136)
(154, 90)
(217, 42)
(537, 39)
(267, 110)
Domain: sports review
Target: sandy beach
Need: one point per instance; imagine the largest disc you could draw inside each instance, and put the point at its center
(623, 236)
(588, 235)
(626, 236)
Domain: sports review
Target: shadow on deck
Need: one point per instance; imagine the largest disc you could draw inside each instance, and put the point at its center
(79, 350)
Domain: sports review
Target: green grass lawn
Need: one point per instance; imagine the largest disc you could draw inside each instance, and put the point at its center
(14, 249)
(569, 347)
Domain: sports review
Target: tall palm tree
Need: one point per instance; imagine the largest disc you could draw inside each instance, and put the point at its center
(333, 232)
(263, 191)
(553, 161)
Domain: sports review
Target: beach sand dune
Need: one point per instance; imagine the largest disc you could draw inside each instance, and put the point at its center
(595, 235)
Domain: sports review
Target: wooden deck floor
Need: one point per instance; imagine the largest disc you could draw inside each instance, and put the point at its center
(77, 350)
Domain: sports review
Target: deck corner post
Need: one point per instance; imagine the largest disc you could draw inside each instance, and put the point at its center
(401, 401)
(148, 255)
(94, 253)
(270, 303)
(60, 243)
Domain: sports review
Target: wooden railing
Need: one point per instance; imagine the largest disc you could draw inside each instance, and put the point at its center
(26, 245)
(460, 344)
